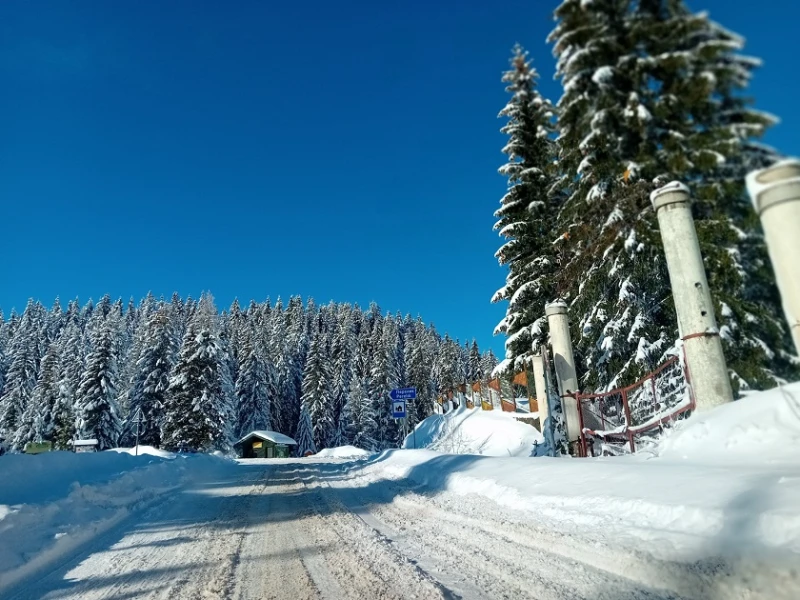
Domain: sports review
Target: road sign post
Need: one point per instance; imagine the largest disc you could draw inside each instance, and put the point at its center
(399, 397)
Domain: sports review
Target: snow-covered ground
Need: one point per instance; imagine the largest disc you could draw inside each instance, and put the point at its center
(713, 513)
(342, 452)
(52, 503)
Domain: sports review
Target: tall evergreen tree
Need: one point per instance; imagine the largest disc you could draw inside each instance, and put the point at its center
(253, 388)
(526, 217)
(72, 350)
(651, 94)
(419, 363)
(22, 373)
(198, 413)
(150, 379)
(305, 433)
(38, 420)
(96, 406)
(316, 395)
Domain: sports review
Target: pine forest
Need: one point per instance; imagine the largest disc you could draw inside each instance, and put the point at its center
(195, 379)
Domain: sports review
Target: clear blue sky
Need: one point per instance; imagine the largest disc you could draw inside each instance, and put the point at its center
(340, 150)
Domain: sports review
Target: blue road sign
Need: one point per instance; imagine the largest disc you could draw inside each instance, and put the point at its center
(409, 393)
(399, 409)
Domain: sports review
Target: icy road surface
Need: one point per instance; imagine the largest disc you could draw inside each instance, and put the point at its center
(304, 529)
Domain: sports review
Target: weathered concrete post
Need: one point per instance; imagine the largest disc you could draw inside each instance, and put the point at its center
(564, 362)
(776, 195)
(697, 324)
(538, 386)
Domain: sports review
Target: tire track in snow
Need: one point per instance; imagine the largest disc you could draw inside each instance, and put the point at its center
(476, 558)
(161, 553)
(363, 563)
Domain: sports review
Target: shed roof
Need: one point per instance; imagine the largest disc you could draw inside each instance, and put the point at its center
(270, 436)
(91, 442)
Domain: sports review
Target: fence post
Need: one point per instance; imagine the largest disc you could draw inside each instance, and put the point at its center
(627, 408)
(697, 325)
(539, 388)
(583, 446)
(775, 192)
(565, 370)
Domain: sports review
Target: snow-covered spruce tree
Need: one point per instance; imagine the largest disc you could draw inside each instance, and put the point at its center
(359, 409)
(38, 420)
(305, 433)
(643, 103)
(613, 274)
(295, 350)
(252, 386)
(475, 372)
(96, 396)
(360, 416)
(711, 145)
(198, 413)
(384, 376)
(72, 353)
(150, 379)
(527, 213)
(341, 343)
(488, 364)
(419, 362)
(316, 396)
(278, 357)
(20, 380)
(445, 361)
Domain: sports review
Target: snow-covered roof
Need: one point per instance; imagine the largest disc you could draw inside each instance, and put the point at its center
(270, 436)
(91, 442)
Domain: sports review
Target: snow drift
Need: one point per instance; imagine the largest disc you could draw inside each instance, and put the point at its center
(342, 452)
(475, 431)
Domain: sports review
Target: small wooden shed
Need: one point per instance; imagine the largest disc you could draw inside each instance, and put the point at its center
(80, 446)
(265, 444)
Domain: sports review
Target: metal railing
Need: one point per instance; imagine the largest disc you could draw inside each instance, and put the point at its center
(627, 419)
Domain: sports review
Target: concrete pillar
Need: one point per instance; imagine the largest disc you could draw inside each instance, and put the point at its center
(564, 362)
(697, 324)
(776, 195)
(539, 387)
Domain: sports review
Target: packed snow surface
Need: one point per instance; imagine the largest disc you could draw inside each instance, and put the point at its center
(713, 512)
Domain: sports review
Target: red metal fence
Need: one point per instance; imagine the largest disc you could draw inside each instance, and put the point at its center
(626, 419)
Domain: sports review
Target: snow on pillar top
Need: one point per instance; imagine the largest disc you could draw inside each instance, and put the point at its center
(673, 193)
(556, 308)
(774, 185)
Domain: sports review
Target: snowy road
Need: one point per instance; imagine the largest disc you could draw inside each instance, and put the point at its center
(303, 529)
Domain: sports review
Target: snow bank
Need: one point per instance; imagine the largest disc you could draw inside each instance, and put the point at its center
(761, 429)
(724, 483)
(51, 503)
(43, 477)
(343, 452)
(145, 450)
(475, 431)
